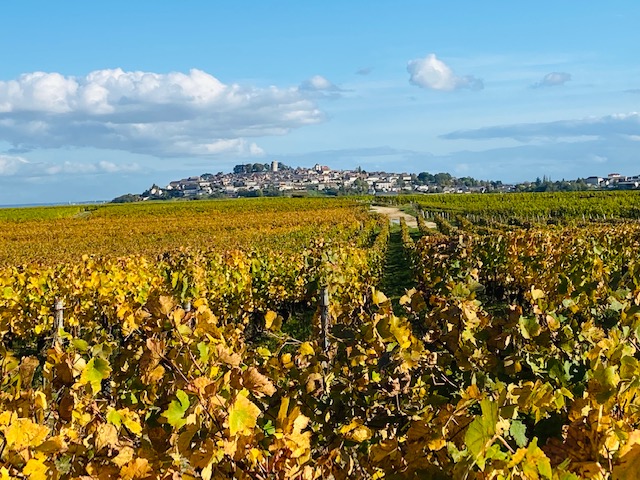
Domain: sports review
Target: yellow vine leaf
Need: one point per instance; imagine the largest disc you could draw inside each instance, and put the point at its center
(299, 442)
(35, 469)
(138, 468)
(287, 360)
(356, 431)
(536, 293)
(243, 416)
(383, 449)
(282, 413)
(106, 436)
(22, 433)
(272, 321)
(629, 465)
(306, 349)
(167, 304)
(5, 417)
(401, 331)
(377, 297)
(132, 422)
(124, 456)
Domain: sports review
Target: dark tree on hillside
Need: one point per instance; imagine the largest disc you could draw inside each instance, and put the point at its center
(127, 198)
(443, 179)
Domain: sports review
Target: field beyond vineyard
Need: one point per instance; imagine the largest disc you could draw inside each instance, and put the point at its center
(195, 339)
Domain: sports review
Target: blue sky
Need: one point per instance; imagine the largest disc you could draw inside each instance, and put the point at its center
(98, 99)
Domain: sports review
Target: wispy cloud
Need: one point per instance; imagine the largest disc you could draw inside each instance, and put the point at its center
(553, 79)
(434, 74)
(165, 115)
(10, 165)
(13, 166)
(319, 86)
(626, 124)
(364, 71)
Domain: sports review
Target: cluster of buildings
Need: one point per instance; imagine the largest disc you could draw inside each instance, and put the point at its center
(287, 180)
(276, 179)
(615, 180)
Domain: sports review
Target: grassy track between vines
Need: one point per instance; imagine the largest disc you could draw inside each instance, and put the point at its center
(397, 276)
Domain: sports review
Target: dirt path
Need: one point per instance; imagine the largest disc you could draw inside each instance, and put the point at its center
(395, 214)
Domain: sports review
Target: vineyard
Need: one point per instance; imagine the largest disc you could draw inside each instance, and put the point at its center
(251, 339)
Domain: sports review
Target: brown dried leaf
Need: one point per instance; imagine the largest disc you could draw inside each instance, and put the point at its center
(65, 407)
(227, 356)
(257, 383)
(106, 436)
(28, 367)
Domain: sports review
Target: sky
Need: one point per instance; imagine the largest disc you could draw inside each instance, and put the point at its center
(98, 99)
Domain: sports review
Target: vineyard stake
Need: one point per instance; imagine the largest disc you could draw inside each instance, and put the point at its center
(58, 319)
(324, 318)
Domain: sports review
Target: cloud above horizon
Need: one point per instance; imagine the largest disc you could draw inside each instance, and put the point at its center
(163, 115)
(364, 71)
(617, 125)
(320, 87)
(11, 166)
(553, 79)
(432, 73)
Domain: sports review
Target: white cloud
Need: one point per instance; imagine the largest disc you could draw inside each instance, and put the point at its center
(11, 166)
(598, 158)
(553, 79)
(317, 82)
(618, 125)
(434, 74)
(320, 87)
(75, 168)
(164, 115)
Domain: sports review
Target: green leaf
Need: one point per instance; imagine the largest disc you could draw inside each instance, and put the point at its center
(204, 351)
(615, 304)
(607, 380)
(177, 408)
(114, 417)
(481, 431)
(94, 372)
(243, 416)
(529, 327)
(536, 462)
(518, 432)
(80, 344)
(269, 428)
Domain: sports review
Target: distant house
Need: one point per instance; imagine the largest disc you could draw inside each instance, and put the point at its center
(628, 184)
(384, 186)
(615, 178)
(596, 181)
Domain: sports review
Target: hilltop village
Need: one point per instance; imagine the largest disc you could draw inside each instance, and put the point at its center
(276, 179)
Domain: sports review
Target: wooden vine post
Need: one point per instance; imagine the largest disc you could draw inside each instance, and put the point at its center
(58, 319)
(324, 318)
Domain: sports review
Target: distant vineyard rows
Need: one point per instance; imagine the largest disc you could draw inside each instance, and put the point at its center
(515, 356)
